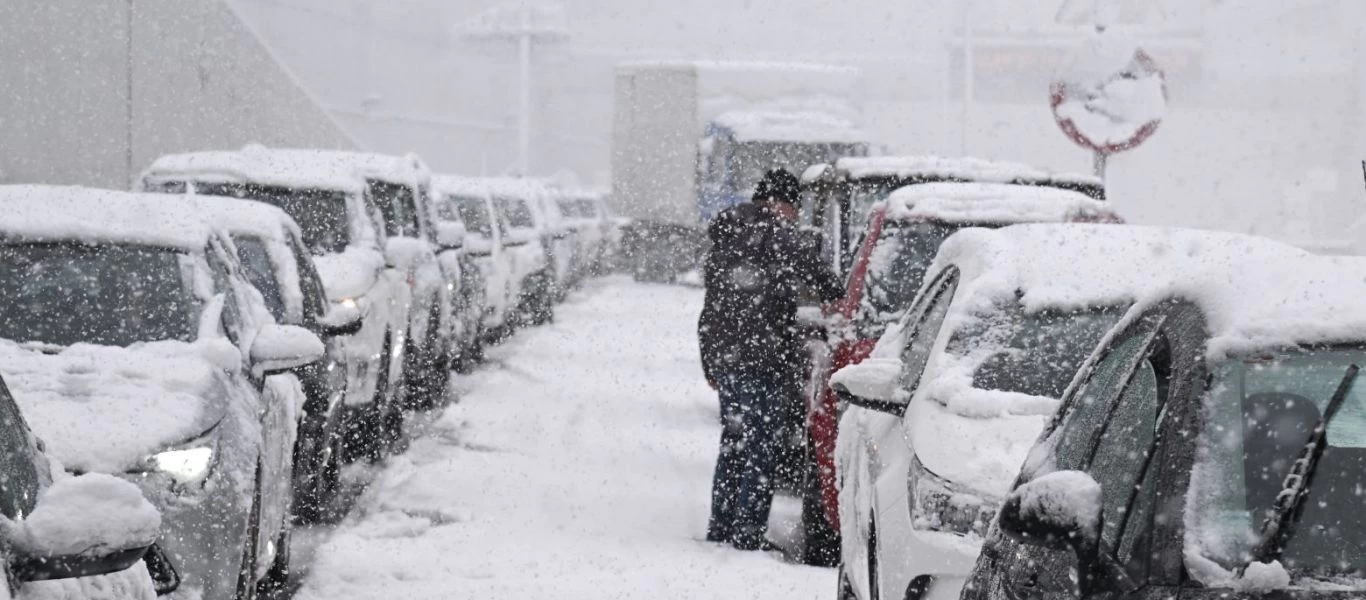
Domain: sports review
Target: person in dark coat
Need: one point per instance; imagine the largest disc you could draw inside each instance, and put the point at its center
(751, 350)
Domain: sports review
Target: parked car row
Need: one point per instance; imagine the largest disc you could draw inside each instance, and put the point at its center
(230, 335)
(1021, 397)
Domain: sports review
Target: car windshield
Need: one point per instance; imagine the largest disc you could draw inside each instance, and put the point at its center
(896, 269)
(260, 271)
(475, 213)
(1035, 353)
(67, 293)
(517, 212)
(321, 214)
(1260, 413)
(19, 481)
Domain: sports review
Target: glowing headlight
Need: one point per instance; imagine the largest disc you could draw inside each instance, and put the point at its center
(350, 303)
(186, 466)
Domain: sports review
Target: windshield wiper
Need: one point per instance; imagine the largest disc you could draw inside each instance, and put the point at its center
(1289, 506)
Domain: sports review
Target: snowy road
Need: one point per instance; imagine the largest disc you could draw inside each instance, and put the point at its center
(577, 464)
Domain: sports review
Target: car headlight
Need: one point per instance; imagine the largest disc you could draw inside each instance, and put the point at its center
(186, 466)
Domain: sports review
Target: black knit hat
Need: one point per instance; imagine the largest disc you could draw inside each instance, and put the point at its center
(778, 185)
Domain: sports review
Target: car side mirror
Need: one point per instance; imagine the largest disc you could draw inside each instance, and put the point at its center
(873, 384)
(450, 235)
(341, 319)
(1059, 510)
(281, 348)
(88, 525)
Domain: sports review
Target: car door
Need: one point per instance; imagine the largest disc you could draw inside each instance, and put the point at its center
(1111, 429)
(279, 399)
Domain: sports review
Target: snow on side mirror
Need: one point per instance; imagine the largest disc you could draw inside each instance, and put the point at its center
(341, 319)
(1059, 510)
(280, 348)
(872, 384)
(87, 525)
(450, 235)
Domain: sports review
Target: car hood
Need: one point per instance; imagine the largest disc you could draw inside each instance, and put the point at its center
(103, 409)
(349, 274)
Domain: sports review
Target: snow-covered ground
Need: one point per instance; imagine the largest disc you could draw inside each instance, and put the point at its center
(576, 465)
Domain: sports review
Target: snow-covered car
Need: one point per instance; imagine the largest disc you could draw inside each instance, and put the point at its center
(558, 237)
(136, 347)
(342, 228)
(902, 236)
(940, 416)
(580, 211)
(468, 200)
(1211, 448)
(533, 272)
(838, 197)
(68, 537)
(276, 261)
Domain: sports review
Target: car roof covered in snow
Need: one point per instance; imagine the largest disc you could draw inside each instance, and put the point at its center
(516, 187)
(296, 168)
(788, 126)
(57, 213)
(1069, 267)
(992, 203)
(956, 169)
(245, 217)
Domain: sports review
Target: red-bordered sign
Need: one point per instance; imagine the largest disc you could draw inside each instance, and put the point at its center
(1142, 66)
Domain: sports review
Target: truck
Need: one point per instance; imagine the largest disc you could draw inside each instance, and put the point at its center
(691, 139)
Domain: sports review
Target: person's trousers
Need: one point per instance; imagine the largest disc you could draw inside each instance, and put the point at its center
(742, 488)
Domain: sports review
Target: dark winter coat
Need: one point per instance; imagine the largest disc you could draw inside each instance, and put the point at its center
(755, 270)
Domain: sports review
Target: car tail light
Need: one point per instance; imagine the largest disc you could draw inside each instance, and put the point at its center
(939, 505)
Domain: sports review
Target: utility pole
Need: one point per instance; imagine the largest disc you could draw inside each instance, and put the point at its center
(526, 23)
(968, 73)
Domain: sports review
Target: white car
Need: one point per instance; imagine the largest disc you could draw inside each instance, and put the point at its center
(580, 209)
(106, 527)
(941, 415)
(533, 268)
(469, 200)
(277, 263)
(343, 230)
(136, 347)
(557, 236)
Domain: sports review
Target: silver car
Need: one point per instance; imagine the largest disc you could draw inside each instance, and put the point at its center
(135, 347)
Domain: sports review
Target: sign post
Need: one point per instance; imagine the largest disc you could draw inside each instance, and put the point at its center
(1108, 96)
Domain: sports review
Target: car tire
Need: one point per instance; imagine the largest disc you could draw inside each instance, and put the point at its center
(432, 363)
(246, 570)
(822, 542)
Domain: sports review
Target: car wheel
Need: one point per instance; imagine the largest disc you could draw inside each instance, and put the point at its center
(433, 367)
(822, 547)
(246, 571)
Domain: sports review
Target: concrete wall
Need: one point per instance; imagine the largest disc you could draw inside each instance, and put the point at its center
(91, 91)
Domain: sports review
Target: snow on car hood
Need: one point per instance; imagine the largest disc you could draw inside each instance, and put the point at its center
(349, 274)
(981, 454)
(103, 409)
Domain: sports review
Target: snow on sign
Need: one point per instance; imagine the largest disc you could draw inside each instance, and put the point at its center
(1109, 95)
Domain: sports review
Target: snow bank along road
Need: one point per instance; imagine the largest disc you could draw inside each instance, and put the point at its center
(577, 464)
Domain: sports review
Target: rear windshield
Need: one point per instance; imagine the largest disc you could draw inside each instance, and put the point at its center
(321, 214)
(517, 212)
(475, 213)
(64, 294)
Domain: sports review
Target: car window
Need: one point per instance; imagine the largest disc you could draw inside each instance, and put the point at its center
(310, 283)
(320, 214)
(1087, 413)
(474, 213)
(516, 212)
(221, 271)
(1125, 445)
(113, 295)
(398, 208)
(917, 351)
(19, 480)
(896, 271)
(261, 272)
